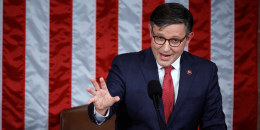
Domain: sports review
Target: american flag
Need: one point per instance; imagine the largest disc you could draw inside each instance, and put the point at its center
(51, 48)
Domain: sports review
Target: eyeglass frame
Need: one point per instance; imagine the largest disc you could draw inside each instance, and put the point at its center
(180, 41)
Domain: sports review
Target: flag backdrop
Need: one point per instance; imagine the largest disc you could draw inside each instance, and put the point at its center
(51, 48)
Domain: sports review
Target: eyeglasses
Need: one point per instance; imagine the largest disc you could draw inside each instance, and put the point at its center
(173, 42)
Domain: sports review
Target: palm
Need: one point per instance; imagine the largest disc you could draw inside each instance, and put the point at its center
(101, 99)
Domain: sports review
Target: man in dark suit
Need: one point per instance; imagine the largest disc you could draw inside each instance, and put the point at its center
(191, 97)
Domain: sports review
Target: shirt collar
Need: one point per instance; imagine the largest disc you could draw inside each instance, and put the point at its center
(176, 64)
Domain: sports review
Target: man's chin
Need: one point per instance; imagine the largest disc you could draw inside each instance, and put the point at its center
(164, 63)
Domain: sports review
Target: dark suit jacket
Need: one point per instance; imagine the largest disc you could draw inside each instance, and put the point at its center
(199, 102)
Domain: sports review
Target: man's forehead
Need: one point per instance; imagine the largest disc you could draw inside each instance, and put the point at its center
(170, 31)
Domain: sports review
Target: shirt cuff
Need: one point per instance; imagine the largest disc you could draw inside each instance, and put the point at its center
(100, 118)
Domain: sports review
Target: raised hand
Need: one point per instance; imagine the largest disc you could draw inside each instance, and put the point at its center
(101, 99)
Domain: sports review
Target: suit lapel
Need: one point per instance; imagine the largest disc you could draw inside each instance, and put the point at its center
(187, 75)
(150, 72)
(148, 66)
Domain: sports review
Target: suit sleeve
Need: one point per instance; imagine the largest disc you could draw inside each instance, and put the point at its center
(213, 117)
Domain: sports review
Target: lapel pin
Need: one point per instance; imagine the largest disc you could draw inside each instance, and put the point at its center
(189, 72)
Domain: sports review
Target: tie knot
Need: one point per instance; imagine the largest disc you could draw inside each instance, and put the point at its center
(168, 69)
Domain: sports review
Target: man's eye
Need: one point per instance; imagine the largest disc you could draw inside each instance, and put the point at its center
(175, 40)
(160, 38)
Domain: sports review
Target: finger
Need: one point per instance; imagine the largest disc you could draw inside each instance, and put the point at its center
(95, 84)
(103, 83)
(91, 100)
(91, 91)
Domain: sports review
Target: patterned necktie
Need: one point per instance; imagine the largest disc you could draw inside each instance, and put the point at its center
(168, 93)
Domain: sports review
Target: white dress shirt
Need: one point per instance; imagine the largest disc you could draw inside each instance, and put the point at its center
(175, 73)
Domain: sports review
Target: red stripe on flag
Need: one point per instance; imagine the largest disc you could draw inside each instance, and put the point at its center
(148, 7)
(60, 59)
(245, 75)
(13, 93)
(200, 44)
(13, 64)
(106, 35)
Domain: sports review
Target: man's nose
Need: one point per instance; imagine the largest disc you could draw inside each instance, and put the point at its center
(166, 46)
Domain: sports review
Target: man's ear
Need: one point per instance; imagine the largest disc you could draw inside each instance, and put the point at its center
(150, 29)
(189, 37)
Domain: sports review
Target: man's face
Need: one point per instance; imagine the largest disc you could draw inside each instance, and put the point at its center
(165, 54)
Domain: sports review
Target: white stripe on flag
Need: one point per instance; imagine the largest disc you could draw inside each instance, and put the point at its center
(222, 51)
(130, 26)
(185, 3)
(37, 64)
(83, 50)
(1, 52)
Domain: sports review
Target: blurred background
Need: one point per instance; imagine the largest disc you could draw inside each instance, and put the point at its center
(49, 49)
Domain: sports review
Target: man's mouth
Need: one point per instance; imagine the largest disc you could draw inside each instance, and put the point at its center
(164, 56)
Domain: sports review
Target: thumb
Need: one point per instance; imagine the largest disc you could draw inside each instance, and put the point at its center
(116, 99)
